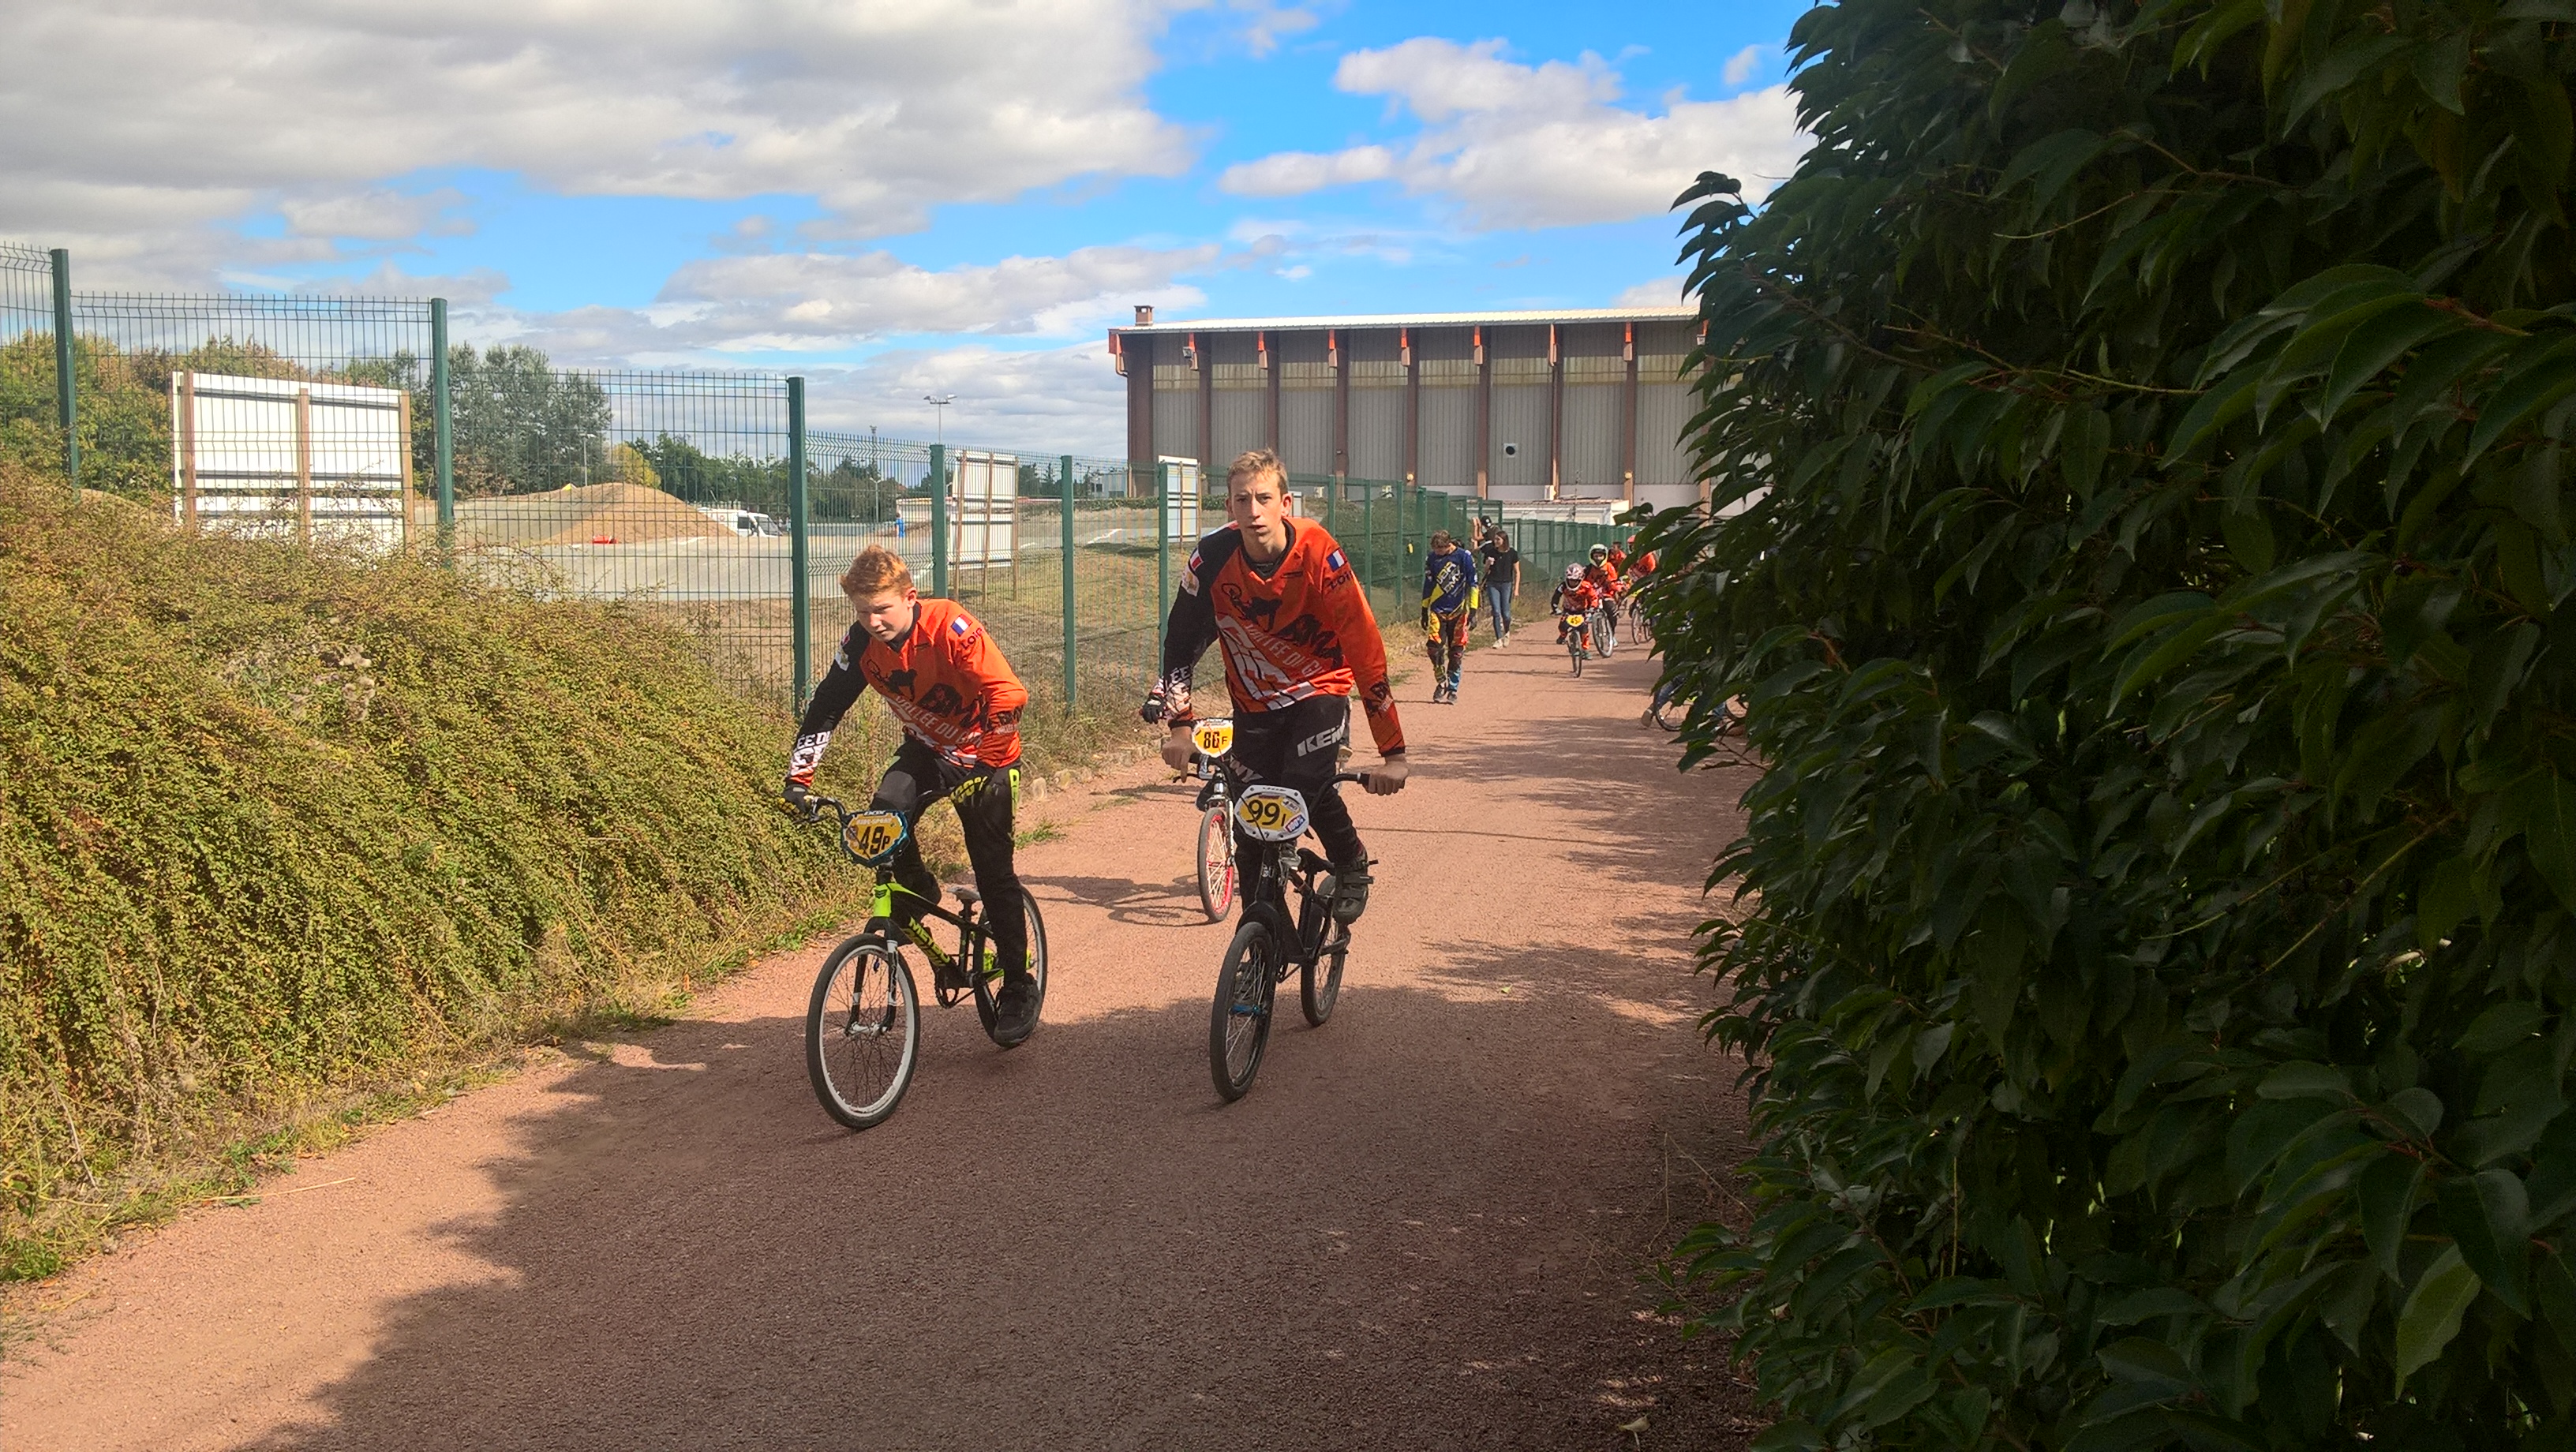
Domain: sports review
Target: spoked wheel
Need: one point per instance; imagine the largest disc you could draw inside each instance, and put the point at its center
(1576, 652)
(1216, 864)
(1239, 1019)
(1674, 712)
(862, 1032)
(1319, 983)
(989, 986)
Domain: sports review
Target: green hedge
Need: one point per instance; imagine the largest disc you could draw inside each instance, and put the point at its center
(277, 824)
(2159, 973)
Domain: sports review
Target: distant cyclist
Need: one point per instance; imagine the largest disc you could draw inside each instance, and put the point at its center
(1448, 604)
(959, 702)
(1299, 642)
(1575, 595)
(1604, 579)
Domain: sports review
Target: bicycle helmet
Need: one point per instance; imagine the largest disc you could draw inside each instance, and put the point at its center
(1600, 552)
(1573, 574)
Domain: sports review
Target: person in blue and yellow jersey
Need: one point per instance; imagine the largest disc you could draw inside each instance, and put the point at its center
(1448, 604)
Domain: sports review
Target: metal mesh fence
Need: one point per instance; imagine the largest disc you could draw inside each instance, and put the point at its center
(29, 433)
(670, 492)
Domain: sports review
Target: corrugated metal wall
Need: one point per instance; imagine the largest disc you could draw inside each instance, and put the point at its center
(1176, 409)
(1663, 404)
(1594, 391)
(1306, 387)
(1378, 399)
(1242, 396)
(1444, 358)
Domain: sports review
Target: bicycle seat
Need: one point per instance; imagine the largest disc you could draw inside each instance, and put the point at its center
(967, 895)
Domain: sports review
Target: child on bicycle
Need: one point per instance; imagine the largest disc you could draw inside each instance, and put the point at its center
(959, 704)
(1300, 642)
(1575, 595)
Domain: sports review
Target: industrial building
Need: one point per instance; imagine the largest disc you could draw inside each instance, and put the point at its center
(1518, 406)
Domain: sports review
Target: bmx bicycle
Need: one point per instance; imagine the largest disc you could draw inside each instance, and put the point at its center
(863, 1024)
(1210, 740)
(1273, 942)
(1578, 638)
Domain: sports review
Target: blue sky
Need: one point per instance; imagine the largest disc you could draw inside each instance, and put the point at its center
(946, 195)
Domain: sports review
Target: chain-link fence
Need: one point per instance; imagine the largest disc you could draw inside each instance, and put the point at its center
(353, 422)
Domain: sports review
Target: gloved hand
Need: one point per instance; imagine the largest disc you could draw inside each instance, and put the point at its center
(798, 798)
(1161, 707)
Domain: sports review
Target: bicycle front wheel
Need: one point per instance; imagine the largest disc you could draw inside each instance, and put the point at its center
(1216, 864)
(989, 985)
(862, 1032)
(1319, 984)
(1576, 652)
(1239, 1019)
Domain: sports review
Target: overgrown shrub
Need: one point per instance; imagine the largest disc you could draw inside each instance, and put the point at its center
(2160, 979)
(273, 822)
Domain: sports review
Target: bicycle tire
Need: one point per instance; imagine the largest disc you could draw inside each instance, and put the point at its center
(861, 1036)
(1216, 864)
(1576, 651)
(1319, 986)
(988, 1007)
(1247, 984)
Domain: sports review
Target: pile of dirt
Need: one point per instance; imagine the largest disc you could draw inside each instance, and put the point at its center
(623, 513)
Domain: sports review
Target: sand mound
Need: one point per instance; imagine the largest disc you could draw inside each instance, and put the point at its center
(626, 513)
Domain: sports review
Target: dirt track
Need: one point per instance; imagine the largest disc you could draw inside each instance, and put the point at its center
(1424, 1228)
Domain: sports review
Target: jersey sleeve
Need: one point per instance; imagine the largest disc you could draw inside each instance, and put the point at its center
(840, 690)
(998, 695)
(1191, 627)
(1346, 611)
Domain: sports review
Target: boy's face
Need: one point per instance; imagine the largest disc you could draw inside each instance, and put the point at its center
(1258, 505)
(886, 614)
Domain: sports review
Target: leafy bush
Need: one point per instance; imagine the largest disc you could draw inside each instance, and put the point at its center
(2161, 983)
(274, 824)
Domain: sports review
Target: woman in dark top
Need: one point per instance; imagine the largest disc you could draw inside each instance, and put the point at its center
(1500, 569)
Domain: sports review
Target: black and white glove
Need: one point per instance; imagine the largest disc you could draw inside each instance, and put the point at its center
(798, 799)
(1165, 705)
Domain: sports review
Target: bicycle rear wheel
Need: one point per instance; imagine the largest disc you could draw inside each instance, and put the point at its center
(862, 1032)
(1239, 1018)
(1216, 864)
(1319, 984)
(987, 986)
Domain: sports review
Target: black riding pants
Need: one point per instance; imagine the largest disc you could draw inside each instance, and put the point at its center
(983, 798)
(1299, 746)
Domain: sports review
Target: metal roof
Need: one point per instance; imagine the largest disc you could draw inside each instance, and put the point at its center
(1675, 314)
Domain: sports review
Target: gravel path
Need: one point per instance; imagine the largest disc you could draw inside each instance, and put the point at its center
(1424, 1228)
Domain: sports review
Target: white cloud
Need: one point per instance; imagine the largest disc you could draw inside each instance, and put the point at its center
(147, 120)
(1509, 145)
(1294, 173)
(1739, 66)
(1043, 403)
(1663, 292)
(377, 214)
(825, 300)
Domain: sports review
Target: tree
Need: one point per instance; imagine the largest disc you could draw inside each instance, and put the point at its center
(521, 425)
(2160, 980)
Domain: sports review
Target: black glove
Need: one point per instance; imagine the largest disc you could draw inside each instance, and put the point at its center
(1157, 707)
(799, 799)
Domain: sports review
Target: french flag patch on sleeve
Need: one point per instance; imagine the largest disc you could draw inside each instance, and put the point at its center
(961, 627)
(1337, 562)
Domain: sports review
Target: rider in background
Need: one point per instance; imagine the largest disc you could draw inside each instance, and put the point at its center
(1575, 595)
(959, 702)
(1299, 641)
(1448, 604)
(1604, 579)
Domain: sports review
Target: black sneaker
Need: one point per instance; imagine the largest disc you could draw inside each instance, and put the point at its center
(1015, 1009)
(1350, 892)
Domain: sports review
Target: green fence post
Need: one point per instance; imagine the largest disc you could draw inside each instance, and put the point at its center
(1162, 558)
(939, 521)
(800, 584)
(1064, 480)
(442, 426)
(66, 381)
(1368, 540)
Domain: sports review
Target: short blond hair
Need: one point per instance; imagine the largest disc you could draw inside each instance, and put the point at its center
(875, 571)
(1252, 464)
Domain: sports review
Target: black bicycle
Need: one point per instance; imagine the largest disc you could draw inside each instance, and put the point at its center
(1274, 942)
(1578, 638)
(1210, 740)
(863, 1024)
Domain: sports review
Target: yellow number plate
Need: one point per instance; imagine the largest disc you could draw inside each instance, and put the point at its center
(1214, 737)
(1574, 622)
(1271, 814)
(872, 836)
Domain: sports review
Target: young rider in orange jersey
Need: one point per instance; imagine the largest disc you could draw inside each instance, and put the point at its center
(1300, 642)
(959, 702)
